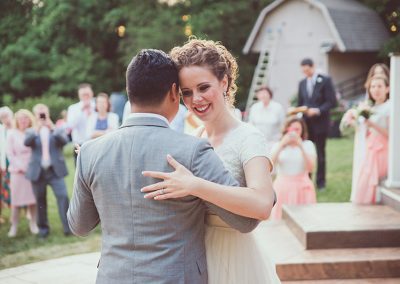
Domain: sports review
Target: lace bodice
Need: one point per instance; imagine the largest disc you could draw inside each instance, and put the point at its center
(239, 146)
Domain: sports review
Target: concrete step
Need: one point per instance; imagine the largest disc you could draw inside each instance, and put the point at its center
(294, 263)
(348, 281)
(344, 225)
(390, 197)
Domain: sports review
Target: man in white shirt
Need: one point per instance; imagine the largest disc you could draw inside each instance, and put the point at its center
(79, 113)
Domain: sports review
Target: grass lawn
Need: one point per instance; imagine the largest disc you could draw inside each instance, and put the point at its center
(26, 248)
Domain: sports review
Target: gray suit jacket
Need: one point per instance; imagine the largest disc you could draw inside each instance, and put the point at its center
(58, 138)
(146, 241)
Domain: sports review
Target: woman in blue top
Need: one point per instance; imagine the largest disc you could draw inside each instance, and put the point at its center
(102, 121)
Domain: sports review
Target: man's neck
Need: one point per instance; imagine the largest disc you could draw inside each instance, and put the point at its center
(150, 109)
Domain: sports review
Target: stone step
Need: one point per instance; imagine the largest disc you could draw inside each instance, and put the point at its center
(344, 225)
(294, 263)
(390, 197)
(348, 281)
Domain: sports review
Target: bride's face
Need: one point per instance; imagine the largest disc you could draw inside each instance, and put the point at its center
(202, 92)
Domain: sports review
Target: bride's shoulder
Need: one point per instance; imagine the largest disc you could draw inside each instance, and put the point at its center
(249, 129)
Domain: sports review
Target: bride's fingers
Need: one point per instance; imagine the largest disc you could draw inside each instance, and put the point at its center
(159, 175)
(154, 187)
(165, 196)
(174, 163)
(156, 193)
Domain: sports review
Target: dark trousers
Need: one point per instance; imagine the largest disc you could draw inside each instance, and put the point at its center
(48, 177)
(319, 140)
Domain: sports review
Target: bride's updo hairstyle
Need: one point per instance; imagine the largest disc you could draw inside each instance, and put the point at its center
(211, 55)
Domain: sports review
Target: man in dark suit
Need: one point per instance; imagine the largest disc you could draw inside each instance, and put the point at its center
(317, 93)
(47, 166)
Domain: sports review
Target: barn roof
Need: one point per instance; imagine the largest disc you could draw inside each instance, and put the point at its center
(354, 26)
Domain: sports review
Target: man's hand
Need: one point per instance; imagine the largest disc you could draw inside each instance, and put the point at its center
(313, 112)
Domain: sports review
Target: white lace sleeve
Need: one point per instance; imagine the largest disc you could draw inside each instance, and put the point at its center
(254, 145)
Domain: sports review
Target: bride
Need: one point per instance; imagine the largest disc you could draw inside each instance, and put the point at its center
(207, 74)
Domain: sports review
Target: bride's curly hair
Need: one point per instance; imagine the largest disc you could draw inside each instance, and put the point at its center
(212, 55)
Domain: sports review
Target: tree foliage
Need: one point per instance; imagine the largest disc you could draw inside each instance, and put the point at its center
(48, 47)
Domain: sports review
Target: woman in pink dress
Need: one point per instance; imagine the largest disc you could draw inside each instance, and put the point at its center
(375, 165)
(294, 158)
(19, 156)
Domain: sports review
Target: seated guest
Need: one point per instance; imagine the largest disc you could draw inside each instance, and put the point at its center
(21, 188)
(102, 121)
(294, 158)
(47, 167)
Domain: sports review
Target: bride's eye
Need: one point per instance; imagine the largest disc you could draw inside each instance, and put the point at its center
(204, 88)
(186, 93)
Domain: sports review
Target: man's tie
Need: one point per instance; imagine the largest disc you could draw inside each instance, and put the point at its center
(44, 138)
(310, 87)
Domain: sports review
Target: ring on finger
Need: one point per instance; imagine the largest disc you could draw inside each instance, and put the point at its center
(162, 191)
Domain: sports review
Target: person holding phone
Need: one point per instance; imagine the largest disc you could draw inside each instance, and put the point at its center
(294, 158)
(47, 167)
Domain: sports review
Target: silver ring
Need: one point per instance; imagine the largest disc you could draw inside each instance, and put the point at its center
(162, 191)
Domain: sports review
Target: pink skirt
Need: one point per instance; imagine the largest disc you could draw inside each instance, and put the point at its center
(292, 190)
(374, 168)
(21, 190)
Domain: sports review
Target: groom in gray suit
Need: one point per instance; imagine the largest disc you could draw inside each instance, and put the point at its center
(143, 240)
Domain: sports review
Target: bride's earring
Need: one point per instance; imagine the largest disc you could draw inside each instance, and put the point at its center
(225, 95)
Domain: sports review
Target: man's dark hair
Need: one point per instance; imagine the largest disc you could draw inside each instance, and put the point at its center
(150, 76)
(307, 61)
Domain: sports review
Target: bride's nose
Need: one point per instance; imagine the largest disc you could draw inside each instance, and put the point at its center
(197, 97)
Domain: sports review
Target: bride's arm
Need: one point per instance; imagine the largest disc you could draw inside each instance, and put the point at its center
(254, 201)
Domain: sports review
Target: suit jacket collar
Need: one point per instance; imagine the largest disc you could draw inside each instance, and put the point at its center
(144, 121)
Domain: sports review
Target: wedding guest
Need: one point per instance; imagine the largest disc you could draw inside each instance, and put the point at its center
(19, 156)
(47, 167)
(317, 93)
(377, 69)
(178, 123)
(78, 114)
(102, 120)
(375, 165)
(6, 120)
(127, 111)
(294, 158)
(267, 115)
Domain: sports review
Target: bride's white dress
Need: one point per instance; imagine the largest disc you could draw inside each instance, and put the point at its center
(234, 257)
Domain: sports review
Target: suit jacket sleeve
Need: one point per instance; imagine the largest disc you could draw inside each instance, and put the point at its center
(207, 165)
(30, 136)
(82, 214)
(300, 101)
(60, 136)
(329, 96)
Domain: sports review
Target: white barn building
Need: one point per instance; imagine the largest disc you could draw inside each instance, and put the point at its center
(343, 38)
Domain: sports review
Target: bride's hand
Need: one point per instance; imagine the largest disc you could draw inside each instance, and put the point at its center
(179, 183)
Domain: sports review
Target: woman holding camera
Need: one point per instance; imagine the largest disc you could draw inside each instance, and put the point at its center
(294, 158)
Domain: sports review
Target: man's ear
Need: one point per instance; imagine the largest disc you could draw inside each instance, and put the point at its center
(174, 93)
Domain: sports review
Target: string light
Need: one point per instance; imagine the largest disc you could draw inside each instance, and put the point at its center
(121, 31)
(188, 30)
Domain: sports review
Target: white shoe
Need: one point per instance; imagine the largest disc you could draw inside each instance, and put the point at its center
(33, 227)
(13, 232)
